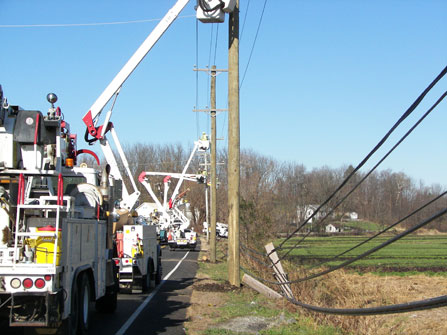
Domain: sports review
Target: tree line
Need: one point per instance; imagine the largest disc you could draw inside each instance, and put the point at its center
(272, 192)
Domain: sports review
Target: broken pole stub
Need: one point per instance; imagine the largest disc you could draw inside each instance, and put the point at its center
(280, 275)
(259, 287)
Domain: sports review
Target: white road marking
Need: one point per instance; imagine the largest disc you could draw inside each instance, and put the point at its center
(137, 312)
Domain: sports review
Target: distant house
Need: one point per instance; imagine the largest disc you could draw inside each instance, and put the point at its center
(304, 212)
(334, 228)
(353, 216)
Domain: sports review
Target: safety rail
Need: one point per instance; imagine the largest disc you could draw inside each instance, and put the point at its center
(44, 206)
(178, 214)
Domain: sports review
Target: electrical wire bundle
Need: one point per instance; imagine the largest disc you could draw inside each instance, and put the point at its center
(396, 308)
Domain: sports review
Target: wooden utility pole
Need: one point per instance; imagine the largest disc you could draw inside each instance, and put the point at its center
(233, 148)
(211, 237)
(207, 217)
(213, 167)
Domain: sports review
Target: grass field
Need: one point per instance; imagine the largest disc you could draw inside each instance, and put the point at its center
(415, 253)
(362, 225)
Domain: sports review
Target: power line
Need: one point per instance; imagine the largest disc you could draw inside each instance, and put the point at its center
(373, 168)
(208, 120)
(372, 250)
(363, 162)
(419, 305)
(245, 19)
(383, 231)
(197, 78)
(59, 25)
(215, 46)
(412, 306)
(254, 43)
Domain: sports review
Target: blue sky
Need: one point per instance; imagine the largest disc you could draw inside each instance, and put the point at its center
(326, 80)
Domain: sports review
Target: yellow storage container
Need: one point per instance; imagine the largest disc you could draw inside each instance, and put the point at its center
(45, 247)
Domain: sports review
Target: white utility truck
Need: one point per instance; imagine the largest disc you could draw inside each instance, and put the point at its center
(208, 11)
(56, 219)
(55, 232)
(137, 252)
(138, 257)
(172, 220)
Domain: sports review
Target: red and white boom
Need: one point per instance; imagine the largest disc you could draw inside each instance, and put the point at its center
(208, 11)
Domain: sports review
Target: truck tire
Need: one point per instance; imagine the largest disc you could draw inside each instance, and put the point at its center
(85, 304)
(108, 303)
(148, 279)
(159, 272)
(71, 325)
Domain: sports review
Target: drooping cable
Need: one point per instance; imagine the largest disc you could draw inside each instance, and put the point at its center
(371, 170)
(247, 252)
(382, 231)
(412, 306)
(363, 255)
(372, 250)
(381, 142)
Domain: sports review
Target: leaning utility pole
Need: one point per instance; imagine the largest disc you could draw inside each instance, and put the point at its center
(213, 206)
(233, 148)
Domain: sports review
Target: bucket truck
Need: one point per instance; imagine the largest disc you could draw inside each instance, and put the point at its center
(55, 242)
(56, 219)
(137, 256)
(172, 220)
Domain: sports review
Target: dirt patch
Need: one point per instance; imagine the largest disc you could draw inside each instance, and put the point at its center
(245, 324)
(206, 296)
(215, 287)
(253, 324)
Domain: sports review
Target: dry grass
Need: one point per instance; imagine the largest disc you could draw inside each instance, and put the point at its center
(347, 290)
(350, 290)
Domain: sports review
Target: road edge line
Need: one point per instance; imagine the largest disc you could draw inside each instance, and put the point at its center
(140, 308)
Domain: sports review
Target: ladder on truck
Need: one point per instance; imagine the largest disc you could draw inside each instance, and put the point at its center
(46, 205)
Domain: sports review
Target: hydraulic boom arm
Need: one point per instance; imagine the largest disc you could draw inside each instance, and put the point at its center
(91, 117)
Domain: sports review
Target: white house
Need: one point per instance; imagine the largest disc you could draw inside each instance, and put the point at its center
(334, 228)
(353, 216)
(306, 211)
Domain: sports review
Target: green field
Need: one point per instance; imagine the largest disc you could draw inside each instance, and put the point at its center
(362, 225)
(414, 253)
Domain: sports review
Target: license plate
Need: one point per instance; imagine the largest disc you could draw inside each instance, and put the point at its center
(182, 242)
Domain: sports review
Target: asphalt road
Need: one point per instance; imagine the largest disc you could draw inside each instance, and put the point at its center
(166, 310)
(160, 311)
